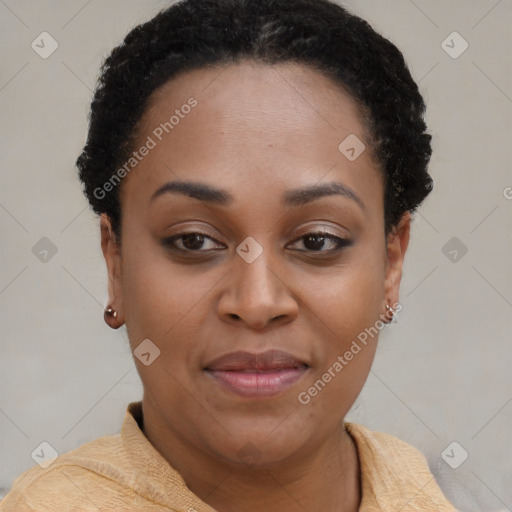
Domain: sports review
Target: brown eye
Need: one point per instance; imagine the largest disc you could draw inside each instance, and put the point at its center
(190, 242)
(317, 242)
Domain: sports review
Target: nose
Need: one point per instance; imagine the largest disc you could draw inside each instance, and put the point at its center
(258, 294)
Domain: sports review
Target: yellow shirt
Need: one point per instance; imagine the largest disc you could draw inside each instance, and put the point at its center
(124, 472)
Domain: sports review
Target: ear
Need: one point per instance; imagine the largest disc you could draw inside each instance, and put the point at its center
(397, 243)
(112, 254)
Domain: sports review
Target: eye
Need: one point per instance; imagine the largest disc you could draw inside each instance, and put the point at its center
(190, 242)
(316, 241)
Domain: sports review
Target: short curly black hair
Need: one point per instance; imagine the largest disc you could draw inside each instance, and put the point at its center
(192, 34)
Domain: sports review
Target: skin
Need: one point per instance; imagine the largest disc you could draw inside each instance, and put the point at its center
(257, 131)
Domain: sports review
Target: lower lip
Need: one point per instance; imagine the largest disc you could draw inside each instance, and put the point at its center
(258, 384)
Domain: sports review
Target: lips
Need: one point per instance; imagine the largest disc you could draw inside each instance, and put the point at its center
(257, 375)
(245, 361)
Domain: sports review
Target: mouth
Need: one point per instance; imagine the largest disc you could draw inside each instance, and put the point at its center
(257, 375)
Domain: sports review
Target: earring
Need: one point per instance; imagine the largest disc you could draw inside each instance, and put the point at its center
(393, 319)
(111, 312)
(110, 317)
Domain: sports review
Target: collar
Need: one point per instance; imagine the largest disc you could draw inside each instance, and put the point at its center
(393, 474)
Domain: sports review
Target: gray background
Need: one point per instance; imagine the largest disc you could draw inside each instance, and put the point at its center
(442, 375)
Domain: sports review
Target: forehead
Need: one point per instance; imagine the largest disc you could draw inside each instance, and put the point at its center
(282, 96)
(253, 126)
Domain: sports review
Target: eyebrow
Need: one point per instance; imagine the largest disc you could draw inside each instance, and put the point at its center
(294, 197)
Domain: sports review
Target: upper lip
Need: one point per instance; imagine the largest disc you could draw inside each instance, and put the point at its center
(269, 360)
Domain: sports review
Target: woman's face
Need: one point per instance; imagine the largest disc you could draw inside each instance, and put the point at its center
(251, 280)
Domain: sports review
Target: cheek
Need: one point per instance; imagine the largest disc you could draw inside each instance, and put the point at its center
(348, 298)
(165, 302)
(346, 316)
(343, 307)
(150, 299)
(159, 306)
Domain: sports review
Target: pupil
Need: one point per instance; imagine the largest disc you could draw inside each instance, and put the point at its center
(314, 246)
(193, 237)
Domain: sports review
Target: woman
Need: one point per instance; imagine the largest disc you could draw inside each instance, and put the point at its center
(255, 165)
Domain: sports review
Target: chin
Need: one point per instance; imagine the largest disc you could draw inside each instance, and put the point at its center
(254, 444)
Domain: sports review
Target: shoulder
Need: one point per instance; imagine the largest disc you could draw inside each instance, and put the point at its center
(69, 477)
(395, 474)
(377, 444)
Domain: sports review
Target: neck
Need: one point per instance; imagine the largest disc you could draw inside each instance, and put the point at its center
(327, 478)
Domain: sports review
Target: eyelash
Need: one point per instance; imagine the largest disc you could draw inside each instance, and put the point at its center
(341, 243)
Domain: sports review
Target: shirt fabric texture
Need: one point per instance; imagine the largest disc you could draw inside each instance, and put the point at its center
(124, 472)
